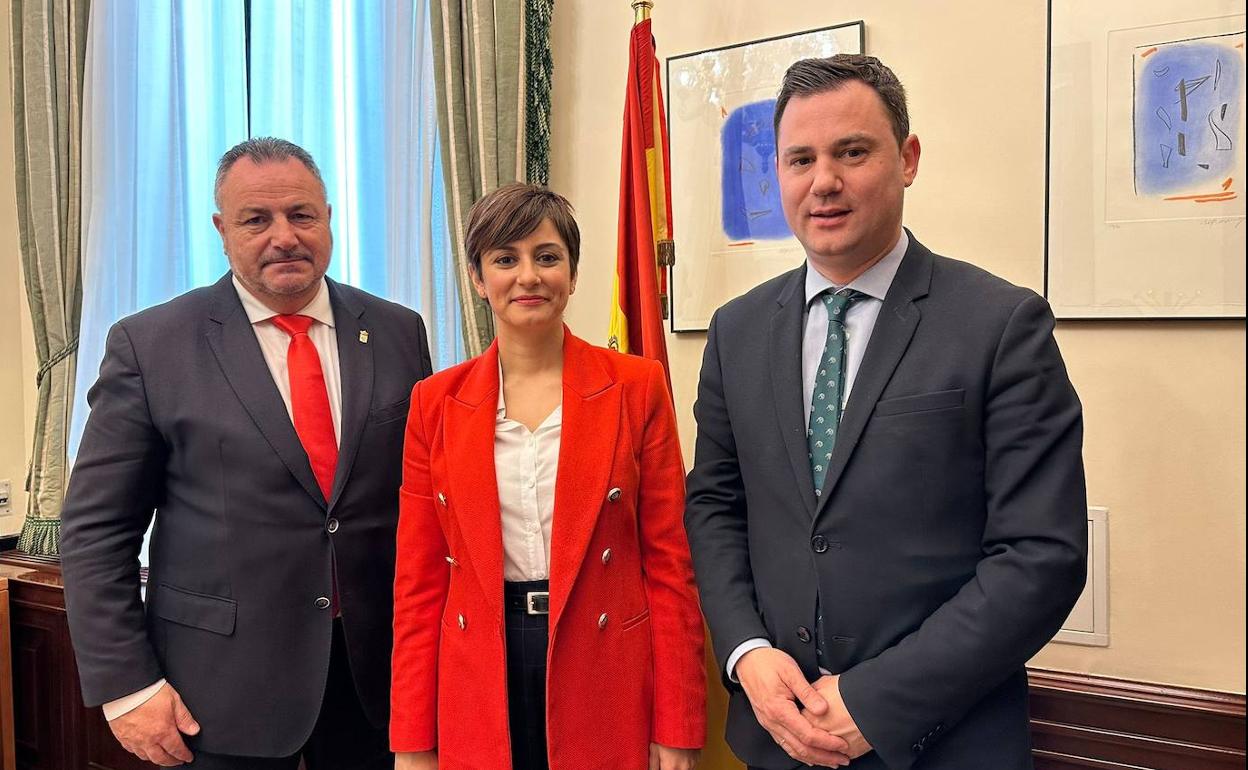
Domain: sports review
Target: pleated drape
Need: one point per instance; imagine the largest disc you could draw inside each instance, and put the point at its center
(492, 70)
(48, 58)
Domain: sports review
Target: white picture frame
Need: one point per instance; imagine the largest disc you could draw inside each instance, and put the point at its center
(1129, 233)
(728, 228)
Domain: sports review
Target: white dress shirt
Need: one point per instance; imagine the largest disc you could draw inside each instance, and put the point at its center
(859, 323)
(525, 465)
(274, 344)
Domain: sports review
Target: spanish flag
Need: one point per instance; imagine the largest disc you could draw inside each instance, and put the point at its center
(639, 301)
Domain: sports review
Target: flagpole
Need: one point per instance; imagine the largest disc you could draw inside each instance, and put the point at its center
(639, 294)
(665, 249)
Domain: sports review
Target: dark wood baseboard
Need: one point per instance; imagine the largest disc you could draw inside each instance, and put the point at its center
(1081, 722)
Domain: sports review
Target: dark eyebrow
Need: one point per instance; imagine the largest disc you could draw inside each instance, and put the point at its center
(858, 138)
(552, 245)
(796, 150)
(839, 144)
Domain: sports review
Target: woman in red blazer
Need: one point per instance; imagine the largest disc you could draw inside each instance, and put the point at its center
(545, 614)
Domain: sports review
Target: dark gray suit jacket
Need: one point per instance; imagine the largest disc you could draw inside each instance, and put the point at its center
(187, 424)
(950, 541)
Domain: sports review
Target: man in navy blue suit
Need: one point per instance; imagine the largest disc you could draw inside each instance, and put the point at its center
(886, 508)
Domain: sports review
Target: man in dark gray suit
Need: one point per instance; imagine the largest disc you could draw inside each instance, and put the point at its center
(887, 507)
(260, 420)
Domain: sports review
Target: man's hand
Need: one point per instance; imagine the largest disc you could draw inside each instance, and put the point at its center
(838, 720)
(416, 760)
(667, 758)
(775, 685)
(153, 732)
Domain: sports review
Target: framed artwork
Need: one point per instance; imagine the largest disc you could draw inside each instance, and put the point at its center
(730, 231)
(1146, 172)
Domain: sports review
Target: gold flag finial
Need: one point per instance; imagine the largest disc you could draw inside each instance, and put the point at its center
(641, 10)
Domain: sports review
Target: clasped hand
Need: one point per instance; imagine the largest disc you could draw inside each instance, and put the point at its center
(838, 720)
(821, 732)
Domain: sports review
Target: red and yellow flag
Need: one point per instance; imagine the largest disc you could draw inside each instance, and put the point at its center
(639, 301)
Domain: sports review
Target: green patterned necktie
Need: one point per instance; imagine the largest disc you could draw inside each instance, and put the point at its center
(825, 400)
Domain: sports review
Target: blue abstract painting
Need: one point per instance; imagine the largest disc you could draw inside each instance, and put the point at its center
(1187, 110)
(750, 192)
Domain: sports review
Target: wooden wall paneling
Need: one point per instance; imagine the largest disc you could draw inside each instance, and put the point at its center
(43, 724)
(1084, 721)
(54, 730)
(8, 755)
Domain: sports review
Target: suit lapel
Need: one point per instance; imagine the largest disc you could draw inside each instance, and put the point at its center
(468, 436)
(591, 422)
(234, 344)
(785, 363)
(894, 328)
(355, 367)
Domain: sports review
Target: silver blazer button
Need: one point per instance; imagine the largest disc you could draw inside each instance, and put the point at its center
(462, 623)
(606, 556)
(602, 621)
(614, 494)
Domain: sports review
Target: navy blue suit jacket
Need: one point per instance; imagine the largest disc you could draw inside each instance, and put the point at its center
(949, 543)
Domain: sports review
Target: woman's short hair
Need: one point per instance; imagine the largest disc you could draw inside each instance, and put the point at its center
(512, 212)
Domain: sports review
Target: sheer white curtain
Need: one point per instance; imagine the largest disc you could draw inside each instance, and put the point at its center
(353, 83)
(164, 96)
(169, 88)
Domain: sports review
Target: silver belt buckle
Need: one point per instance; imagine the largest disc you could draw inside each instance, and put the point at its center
(537, 602)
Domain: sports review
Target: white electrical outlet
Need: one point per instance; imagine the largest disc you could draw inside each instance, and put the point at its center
(6, 497)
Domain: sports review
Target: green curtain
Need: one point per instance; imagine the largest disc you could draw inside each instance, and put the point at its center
(492, 72)
(48, 60)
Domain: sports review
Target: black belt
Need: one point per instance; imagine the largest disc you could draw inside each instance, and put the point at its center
(531, 597)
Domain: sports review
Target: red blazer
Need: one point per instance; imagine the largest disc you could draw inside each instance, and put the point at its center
(625, 665)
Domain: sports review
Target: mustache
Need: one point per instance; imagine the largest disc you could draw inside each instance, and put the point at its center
(272, 257)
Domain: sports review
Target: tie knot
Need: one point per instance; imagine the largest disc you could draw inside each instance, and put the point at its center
(293, 324)
(838, 302)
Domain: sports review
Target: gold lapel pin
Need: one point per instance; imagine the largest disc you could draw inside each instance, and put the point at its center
(364, 337)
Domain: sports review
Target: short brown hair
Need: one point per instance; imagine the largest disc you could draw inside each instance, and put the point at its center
(513, 211)
(815, 76)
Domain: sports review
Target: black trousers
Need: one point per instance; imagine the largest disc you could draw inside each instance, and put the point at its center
(527, 639)
(343, 738)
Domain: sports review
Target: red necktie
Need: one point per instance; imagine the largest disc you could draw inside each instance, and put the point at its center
(309, 400)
